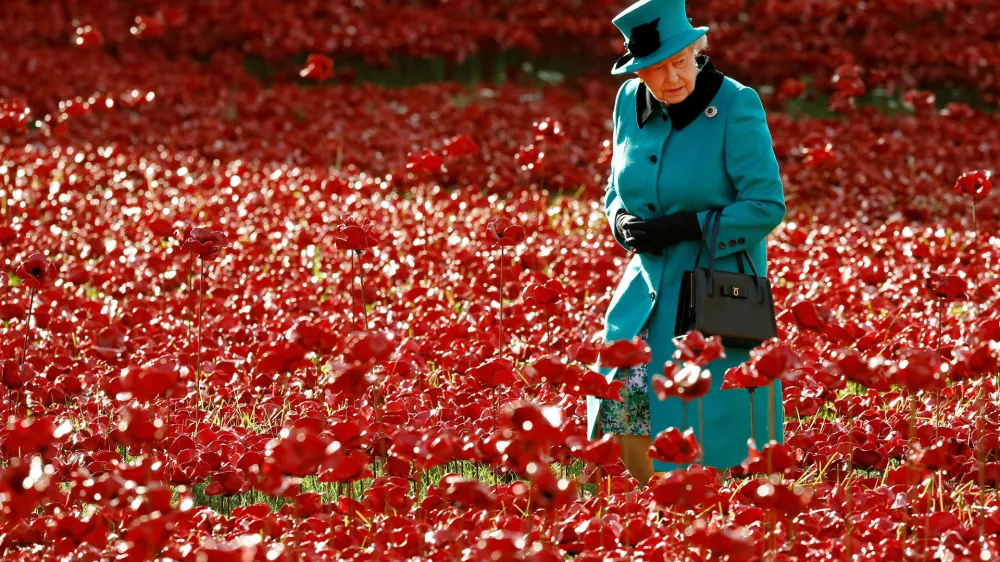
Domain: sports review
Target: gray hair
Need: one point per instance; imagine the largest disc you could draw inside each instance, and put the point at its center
(700, 44)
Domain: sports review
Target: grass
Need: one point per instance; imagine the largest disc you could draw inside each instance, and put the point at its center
(331, 492)
(493, 69)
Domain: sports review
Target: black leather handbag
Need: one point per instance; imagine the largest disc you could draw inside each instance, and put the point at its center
(735, 306)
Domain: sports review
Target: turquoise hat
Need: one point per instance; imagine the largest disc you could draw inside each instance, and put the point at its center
(654, 30)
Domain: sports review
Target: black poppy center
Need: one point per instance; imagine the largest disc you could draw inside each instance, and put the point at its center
(36, 272)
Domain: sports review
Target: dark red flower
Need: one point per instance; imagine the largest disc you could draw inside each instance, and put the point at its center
(207, 244)
(503, 232)
(548, 131)
(625, 353)
(919, 101)
(544, 293)
(426, 162)
(811, 316)
(459, 146)
(694, 348)
(228, 482)
(355, 235)
(36, 272)
(947, 286)
(87, 36)
(686, 383)
(773, 458)
(148, 27)
(466, 493)
(774, 362)
(919, 369)
(318, 68)
(14, 115)
(672, 446)
(595, 384)
(7, 234)
(975, 183)
(854, 367)
(743, 376)
(494, 372)
(14, 375)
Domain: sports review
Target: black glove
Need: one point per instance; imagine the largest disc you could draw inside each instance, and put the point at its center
(655, 234)
(624, 223)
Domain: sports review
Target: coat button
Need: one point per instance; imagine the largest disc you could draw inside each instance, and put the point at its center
(732, 243)
(651, 207)
(652, 295)
(722, 245)
(652, 159)
(740, 240)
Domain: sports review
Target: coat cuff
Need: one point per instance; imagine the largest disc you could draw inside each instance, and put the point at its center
(688, 226)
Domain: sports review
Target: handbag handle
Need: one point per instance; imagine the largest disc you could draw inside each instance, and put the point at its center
(704, 236)
(717, 215)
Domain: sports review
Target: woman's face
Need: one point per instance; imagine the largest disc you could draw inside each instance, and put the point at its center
(671, 80)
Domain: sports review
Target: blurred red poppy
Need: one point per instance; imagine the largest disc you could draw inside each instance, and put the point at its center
(743, 376)
(318, 68)
(672, 446)
(87, 36)
(548, 131)
(14, 375)
(544, 294)
(919, 369)
(425, 163)
(694, 348)
(687, 383)
(625, 353)
(975, 183)
(460, 145)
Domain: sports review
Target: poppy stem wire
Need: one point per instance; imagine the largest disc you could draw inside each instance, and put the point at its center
(190, 269)
(981, 461)
(500, 321)
(352, 290)
(197, 367)
(361, 276)
(975, 270)
(27, 324)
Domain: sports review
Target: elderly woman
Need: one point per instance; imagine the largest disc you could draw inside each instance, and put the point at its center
(687, 139)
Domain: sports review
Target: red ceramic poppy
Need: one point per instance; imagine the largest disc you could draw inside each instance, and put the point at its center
(505, 233)
(318, 68)
(672, 446)
(694, 348)
(206, 244)
(37, 272)
(687, 383)
(975, 183)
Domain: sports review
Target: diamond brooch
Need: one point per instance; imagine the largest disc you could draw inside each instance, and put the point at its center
(712, 111)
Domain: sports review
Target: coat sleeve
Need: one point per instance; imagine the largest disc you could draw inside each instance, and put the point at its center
(612, 201)
(753, 168)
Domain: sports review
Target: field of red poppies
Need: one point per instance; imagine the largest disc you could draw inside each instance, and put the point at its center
(308, 317)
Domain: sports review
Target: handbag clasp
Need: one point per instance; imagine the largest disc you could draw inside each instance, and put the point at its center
(736, 291)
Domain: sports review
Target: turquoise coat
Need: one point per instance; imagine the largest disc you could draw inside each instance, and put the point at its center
(723, 160)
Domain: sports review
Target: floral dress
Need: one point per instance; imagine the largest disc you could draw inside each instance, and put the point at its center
(631, 415)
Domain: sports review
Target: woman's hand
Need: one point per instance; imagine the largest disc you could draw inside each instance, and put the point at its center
(651, 236)
(624, 222)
